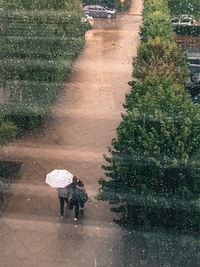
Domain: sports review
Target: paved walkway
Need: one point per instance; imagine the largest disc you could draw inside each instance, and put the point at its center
(79, 128)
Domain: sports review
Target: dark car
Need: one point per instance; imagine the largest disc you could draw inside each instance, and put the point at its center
(97, 11)
(194, 88)
(194, 60)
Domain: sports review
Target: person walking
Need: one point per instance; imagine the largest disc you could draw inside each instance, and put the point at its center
(77, 196)
(82, 193)
(63, 195)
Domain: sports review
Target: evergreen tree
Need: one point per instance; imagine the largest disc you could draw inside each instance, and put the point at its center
(153, 168)
(153, 171)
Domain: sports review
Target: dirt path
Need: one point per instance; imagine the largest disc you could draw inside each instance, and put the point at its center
(79, 128)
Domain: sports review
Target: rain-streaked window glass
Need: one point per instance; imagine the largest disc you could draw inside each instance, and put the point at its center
(100, 133)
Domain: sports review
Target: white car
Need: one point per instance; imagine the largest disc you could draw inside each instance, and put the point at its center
(183, 20)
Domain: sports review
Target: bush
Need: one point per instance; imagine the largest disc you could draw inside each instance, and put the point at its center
(38, 4)
(188, 30)
(7, 131)
(39, 41)
(25, 117)
(39, 48)
(153, 6)
(180, 7)
(150, 27)
(161, 56)
(153, 172)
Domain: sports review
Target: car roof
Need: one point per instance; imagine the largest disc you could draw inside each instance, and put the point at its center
(183, 17)
(99, 6)
(90, 6)
(94, 6)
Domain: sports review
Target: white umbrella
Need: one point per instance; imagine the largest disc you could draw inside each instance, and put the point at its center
(59, 178)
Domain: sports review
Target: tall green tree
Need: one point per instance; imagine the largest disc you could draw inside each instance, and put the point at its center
(153, 170)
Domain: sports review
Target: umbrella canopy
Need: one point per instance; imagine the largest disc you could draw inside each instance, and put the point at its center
(59, 178)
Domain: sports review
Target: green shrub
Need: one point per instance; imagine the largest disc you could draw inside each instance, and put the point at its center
(188, 30)
(150, 27)
(153, 6)
(7, 131)
(161, 57)
(36, 48)
(182, 7)
(153, 166)
(39, 41)
(25, 117)
(152, 171)
(34, 70)
(38, 4)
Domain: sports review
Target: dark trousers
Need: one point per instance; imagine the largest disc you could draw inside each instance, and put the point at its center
(77, 205)
(62, 204)
(76, 208)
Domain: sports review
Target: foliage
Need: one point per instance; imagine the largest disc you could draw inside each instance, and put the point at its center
(38, 4)
(38, 45)
(155, 13)
(7, 131)
(155, 5)
(153, 165)
(182, 7)
(150, 27)
(162, 250)
(153, 172)
(25, 117)
(188, 30)
(161, 56)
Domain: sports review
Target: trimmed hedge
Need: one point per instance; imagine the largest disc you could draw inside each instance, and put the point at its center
(39, 41)
(38, 4)
(161, 56)
(40, 47)
(188, 30)
(153, 163)
(150, 27)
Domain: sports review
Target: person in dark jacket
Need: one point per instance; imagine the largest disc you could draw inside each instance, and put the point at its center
(63, 195)
(77, 196)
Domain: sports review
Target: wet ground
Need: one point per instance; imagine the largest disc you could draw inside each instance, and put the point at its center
(80, 126)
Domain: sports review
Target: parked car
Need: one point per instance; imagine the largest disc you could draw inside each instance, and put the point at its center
(97, 11)
(194, 60)
(194, 69)
(193, 86)
(196, 78)
(183, 20)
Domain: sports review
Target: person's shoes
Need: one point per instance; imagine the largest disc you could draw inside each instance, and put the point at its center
(75, 219)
